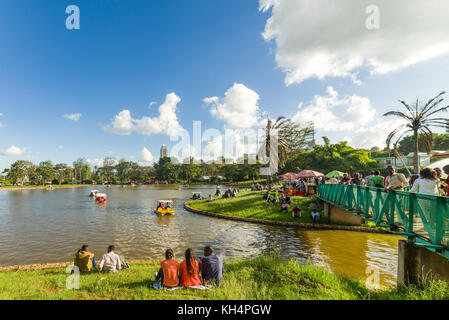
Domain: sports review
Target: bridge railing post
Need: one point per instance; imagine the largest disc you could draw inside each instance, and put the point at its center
(411, 215)
(439, 227)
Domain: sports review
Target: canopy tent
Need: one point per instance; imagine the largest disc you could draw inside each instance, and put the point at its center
(334, 173)
(309, 174)
(288, 176)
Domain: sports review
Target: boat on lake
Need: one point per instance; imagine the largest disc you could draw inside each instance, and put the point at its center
(100, 198)
(164, 208)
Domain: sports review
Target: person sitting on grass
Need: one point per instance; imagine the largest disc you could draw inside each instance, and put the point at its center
(210, 198)
(269, 198)
(288, 200)
(189, 271)
(284, 206)
(315, 216)
(273, 198)
(296, 212)
(84, 259)
(212, 265)
(282, 198)
(168, 273)
(110, 261)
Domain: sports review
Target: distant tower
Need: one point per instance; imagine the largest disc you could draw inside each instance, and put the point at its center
(164, 152)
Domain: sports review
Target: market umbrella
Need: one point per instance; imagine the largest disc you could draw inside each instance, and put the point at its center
(288, 176)
(334, 173)
(309, 174)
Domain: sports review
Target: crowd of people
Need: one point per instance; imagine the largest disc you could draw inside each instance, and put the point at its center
(171, 273)
(284, 201)
(429, 181)
(303, 187)
(258, 187)
(229, 193)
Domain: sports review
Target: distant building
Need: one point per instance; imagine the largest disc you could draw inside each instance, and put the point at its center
(164, 151)
(408, 160)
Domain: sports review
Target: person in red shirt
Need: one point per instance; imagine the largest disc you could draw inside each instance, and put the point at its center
(168, 273)
(189, 271)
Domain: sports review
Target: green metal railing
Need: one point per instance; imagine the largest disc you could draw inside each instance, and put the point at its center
(421, 218)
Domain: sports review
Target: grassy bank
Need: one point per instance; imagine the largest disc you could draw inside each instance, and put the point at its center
(264, 278)
(56, 186)
(251, 205)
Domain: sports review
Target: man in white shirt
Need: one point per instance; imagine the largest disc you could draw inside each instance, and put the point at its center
(110, 261)
(395, 181)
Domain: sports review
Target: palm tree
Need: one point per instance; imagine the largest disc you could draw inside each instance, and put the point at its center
(419, 120)
(289, 136)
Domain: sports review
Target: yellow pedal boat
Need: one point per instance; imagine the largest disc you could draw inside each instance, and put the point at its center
(164, 208)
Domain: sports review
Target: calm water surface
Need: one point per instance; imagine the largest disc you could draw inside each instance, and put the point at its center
(40, 226)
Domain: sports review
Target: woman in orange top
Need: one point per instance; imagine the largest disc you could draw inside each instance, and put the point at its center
(189, 271)
(168, 273)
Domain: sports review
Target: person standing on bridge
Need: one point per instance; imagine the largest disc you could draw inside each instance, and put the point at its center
(395, 181)
(333, 180)
(427, 183)
(377, 180)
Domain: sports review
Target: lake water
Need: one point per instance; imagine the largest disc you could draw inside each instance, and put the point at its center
(40, 226)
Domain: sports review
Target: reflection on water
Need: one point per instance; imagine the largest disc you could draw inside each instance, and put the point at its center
(39, 226)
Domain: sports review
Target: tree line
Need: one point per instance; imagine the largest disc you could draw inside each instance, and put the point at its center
(125, 172)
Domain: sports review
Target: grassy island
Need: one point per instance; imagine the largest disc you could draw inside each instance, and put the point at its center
(251, 205)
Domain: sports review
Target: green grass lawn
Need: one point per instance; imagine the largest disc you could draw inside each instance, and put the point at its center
(251, 205)
(264, 278)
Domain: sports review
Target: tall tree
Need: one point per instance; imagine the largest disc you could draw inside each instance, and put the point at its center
(64, 172)
(82, 170)
(419, 119)
(47, 171)
(289, 136)
(20, 170)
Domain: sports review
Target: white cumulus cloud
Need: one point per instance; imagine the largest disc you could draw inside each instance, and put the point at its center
(332, 113)
(374, 135)
(239, 107)
(74, 116)
(328, 38)
(146, 155)
(13, 151)
(166, 123)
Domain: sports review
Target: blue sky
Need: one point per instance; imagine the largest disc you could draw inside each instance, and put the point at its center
(128, 54)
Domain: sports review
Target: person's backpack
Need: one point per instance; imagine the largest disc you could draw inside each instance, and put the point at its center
(123, 263)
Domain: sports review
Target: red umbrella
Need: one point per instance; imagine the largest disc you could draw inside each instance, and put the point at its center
(309, 174)
(288, 176)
